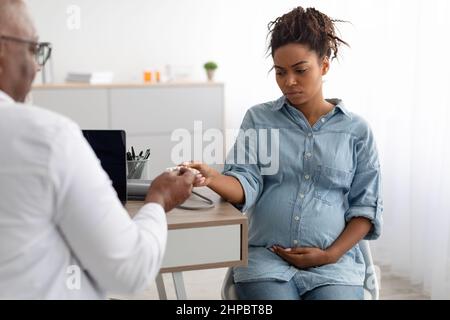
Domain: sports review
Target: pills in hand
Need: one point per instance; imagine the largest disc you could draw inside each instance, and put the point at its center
(177, 168)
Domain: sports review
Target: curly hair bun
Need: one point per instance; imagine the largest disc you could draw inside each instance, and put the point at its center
(308, 27)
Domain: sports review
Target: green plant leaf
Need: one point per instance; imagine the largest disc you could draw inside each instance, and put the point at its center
(210, 65)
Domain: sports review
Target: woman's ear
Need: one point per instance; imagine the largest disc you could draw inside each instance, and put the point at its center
(325, 65)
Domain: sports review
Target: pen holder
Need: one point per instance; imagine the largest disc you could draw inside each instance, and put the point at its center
(138, 169)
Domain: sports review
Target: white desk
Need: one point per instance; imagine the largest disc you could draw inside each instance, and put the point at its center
(201, 239)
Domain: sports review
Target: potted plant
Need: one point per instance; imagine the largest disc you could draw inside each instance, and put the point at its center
(210, 68)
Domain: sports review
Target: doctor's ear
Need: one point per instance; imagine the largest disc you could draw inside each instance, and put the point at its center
(1, 55)
(325, 65)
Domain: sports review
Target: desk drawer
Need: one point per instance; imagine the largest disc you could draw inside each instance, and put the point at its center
(202, 246)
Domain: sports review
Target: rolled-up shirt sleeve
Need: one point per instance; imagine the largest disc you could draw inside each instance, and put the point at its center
(364, 197)
(242, 163)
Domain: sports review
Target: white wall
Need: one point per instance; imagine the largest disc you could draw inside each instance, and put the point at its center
(129, 36)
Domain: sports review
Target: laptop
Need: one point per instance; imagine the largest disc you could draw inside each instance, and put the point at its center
(110, 148)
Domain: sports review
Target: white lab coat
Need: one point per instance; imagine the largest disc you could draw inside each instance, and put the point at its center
(59, 214)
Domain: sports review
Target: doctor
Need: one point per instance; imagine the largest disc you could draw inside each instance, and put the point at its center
(59, 215)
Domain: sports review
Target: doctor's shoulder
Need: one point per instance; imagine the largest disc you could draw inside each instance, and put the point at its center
(43, 121)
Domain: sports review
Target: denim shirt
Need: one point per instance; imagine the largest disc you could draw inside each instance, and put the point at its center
(327, 174)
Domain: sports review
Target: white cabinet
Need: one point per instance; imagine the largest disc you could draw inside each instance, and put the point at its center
(162, 110)
(148, 113)
(89, 108)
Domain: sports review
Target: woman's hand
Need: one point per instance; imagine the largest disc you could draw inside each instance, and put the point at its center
(304, 258)
(206, 175)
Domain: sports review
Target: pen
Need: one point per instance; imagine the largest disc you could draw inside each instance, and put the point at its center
(147, 154)
(132, 153)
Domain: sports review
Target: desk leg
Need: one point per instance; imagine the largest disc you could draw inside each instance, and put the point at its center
(179, 285)
(161, 288)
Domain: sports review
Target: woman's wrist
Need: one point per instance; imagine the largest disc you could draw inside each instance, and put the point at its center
(213, 174)
(332, 255)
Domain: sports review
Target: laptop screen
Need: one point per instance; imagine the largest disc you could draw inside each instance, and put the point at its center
(110, 148)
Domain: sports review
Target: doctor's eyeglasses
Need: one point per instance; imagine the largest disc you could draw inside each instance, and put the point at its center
(41, 50)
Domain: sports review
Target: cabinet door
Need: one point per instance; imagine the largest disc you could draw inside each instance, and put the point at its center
(160, 110)
(87, 107)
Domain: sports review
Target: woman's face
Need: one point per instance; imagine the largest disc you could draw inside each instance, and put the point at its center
(299, 72)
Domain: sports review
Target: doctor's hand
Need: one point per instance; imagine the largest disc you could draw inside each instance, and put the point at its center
(171, 189)
(207, 174)
(304, 258)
